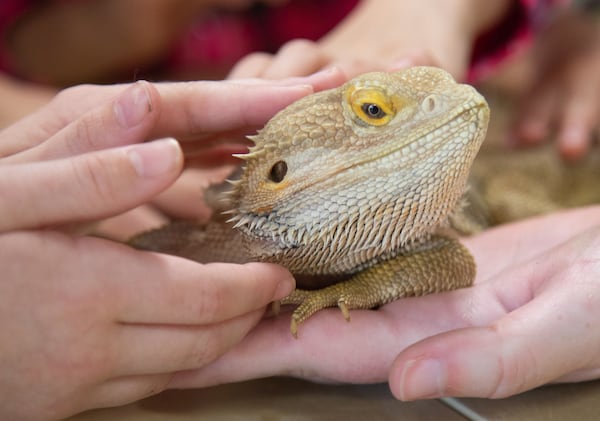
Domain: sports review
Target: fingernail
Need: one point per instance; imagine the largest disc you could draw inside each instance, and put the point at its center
(155, 158)
(422, 379)
(327, 71)
(133, 105)
(284, 288)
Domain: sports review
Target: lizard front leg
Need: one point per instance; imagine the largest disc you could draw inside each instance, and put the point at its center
(441, 264)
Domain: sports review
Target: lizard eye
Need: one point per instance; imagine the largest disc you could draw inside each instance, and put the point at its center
(371, 105)
(373, 111)
(278, 172)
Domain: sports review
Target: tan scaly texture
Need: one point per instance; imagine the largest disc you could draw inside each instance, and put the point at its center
(352, 189)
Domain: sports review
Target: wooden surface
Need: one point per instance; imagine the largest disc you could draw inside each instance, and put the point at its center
(290, 399)
(277, 399)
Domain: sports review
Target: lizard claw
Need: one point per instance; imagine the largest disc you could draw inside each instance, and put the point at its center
(275, 307)
(344, 308)
(310, 302)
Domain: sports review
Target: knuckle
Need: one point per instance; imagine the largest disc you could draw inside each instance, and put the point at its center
(92, 175)
(208, 305)
(85, 134)
(517, 366)
(204, 351)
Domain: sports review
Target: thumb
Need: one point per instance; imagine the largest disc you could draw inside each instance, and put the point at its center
(88, 186)
(471, 362)
(532, 345)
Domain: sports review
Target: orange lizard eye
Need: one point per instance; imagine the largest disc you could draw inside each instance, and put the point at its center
(371, 105)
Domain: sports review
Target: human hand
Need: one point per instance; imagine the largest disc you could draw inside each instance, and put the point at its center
(209, 119)
(19, 99)
(384, 36)
(86, 322)
(534, 306)
(564, 99)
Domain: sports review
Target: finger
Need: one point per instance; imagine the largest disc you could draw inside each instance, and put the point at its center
(329, 77)
(67, 106)
(198, 108)
(154, 349)
(523, 240)
(251, 66)
(181, 291)
(86, 187)
(577, 121)
(354, 67)
(185, 199)
(297, 58)
(125, 120)
(534, 122)
(397, 325)
(124, 226)
(122, 390)
(530, 346)
(188, 109)
(410, 59)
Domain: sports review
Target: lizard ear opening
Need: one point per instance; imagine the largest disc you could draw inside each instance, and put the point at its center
(371, 105)
(278, 172)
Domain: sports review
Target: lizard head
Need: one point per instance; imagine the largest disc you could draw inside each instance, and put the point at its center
(371, 165)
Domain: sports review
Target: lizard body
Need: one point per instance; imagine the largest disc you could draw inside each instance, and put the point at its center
(352, 189)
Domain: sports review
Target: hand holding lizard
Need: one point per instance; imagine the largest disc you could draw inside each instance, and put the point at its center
(530, 319)
(112, 323)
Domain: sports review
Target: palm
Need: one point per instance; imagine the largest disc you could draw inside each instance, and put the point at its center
(517, 286)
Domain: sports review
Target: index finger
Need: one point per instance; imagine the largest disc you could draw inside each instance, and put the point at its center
(193, 109)
(162, 289)
(189, 108)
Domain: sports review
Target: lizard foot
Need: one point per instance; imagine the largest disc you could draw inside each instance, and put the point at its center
(310, 302)
(442, 265)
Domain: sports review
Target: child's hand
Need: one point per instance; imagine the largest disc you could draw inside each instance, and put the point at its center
(564, 101)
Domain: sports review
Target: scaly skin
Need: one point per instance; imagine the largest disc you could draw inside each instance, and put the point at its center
(352, 189)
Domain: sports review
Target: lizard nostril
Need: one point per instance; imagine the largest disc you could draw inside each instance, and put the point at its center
(278, 172)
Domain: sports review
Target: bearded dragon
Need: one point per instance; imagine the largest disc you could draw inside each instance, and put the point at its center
(353, 190)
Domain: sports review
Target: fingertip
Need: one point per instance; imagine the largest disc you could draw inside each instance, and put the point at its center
(250, 66)
(456, 363)
(135, 103)
(411, 59)
(157, 158)
(573, 142)
(283, 279)
(418, 378)
(329, 77)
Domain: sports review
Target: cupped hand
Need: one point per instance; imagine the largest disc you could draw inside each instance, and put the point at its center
(533, 307)
(86, 322)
